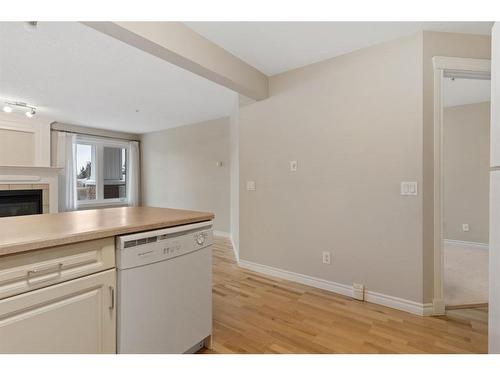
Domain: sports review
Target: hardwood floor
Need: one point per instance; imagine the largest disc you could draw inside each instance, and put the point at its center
(254, 313)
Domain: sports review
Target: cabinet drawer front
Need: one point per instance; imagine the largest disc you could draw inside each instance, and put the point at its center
(21, 273)
(77, 316)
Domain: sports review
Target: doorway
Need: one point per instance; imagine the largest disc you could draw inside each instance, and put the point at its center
(461, 185)
(466, 144)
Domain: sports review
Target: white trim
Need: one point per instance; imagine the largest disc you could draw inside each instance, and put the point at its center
(444, 65)
(228, 235)
(475, 245)
(16, 178)
(438, 306)
(397, 303)
(31, 167)
(235, 250)
(220, 233)
(98, 144)
(89, 204)
(461, 64)
(412, 307)
(331, 286)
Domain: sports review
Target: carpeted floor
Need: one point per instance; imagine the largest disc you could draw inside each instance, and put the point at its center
(465, 275)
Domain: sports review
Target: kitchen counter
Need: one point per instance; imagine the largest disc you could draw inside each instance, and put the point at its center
(26, 233)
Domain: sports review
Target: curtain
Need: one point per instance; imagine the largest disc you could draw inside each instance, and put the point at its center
(66, 158)
(134, 173)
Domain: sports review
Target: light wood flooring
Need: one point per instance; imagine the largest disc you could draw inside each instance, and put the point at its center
(254, 313)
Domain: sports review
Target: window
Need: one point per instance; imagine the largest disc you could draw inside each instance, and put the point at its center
(101, 171)
(115, 170)
(85, 169)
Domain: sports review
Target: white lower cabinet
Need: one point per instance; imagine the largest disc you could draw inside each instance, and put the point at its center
(77, 316)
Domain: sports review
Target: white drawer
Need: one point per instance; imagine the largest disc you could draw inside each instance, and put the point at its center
(23, 272)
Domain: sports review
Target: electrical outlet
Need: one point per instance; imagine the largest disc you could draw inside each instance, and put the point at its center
(293, 165)
(465, 227)
(327, 258)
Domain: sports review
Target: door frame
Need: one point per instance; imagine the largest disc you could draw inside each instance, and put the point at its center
(446, 67)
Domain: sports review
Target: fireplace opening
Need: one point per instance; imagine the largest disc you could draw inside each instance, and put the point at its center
(20, 202)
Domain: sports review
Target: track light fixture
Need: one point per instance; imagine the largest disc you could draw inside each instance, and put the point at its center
(28, 110)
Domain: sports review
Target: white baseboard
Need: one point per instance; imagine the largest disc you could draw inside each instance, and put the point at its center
(438, 306)
(235, 251)
(397, 303)
(297, 277)
(427, 309)
(475, 245)
(219, 233)
(412, 307)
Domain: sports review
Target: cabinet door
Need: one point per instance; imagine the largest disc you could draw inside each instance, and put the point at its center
(76, 316)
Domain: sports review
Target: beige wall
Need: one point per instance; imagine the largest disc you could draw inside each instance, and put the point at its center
(17, 147)
(24, 141)
(466, 172)
(354, 123)
(179, 169)
(358, 124)
(439, 44)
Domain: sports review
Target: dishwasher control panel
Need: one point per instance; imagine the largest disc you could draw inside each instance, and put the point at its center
(149, 247)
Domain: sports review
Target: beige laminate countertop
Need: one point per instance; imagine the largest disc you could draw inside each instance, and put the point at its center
(25, 233)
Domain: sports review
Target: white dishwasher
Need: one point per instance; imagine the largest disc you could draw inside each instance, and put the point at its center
(164, 293)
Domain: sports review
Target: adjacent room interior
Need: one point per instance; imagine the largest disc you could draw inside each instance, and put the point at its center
(311, 143)
(466, 191)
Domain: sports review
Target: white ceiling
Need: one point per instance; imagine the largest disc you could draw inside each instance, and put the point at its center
(77, 75)
(275, 47)
(465, 91)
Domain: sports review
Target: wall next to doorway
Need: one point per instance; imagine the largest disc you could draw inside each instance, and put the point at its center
(179, 169)
(354, 124)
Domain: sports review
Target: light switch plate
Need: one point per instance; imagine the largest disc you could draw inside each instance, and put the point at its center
(251, 185)
(293, 165)
(409, 188)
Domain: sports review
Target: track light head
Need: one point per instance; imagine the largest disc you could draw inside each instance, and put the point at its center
(7, 109)
(30, 113)
(31, 25)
